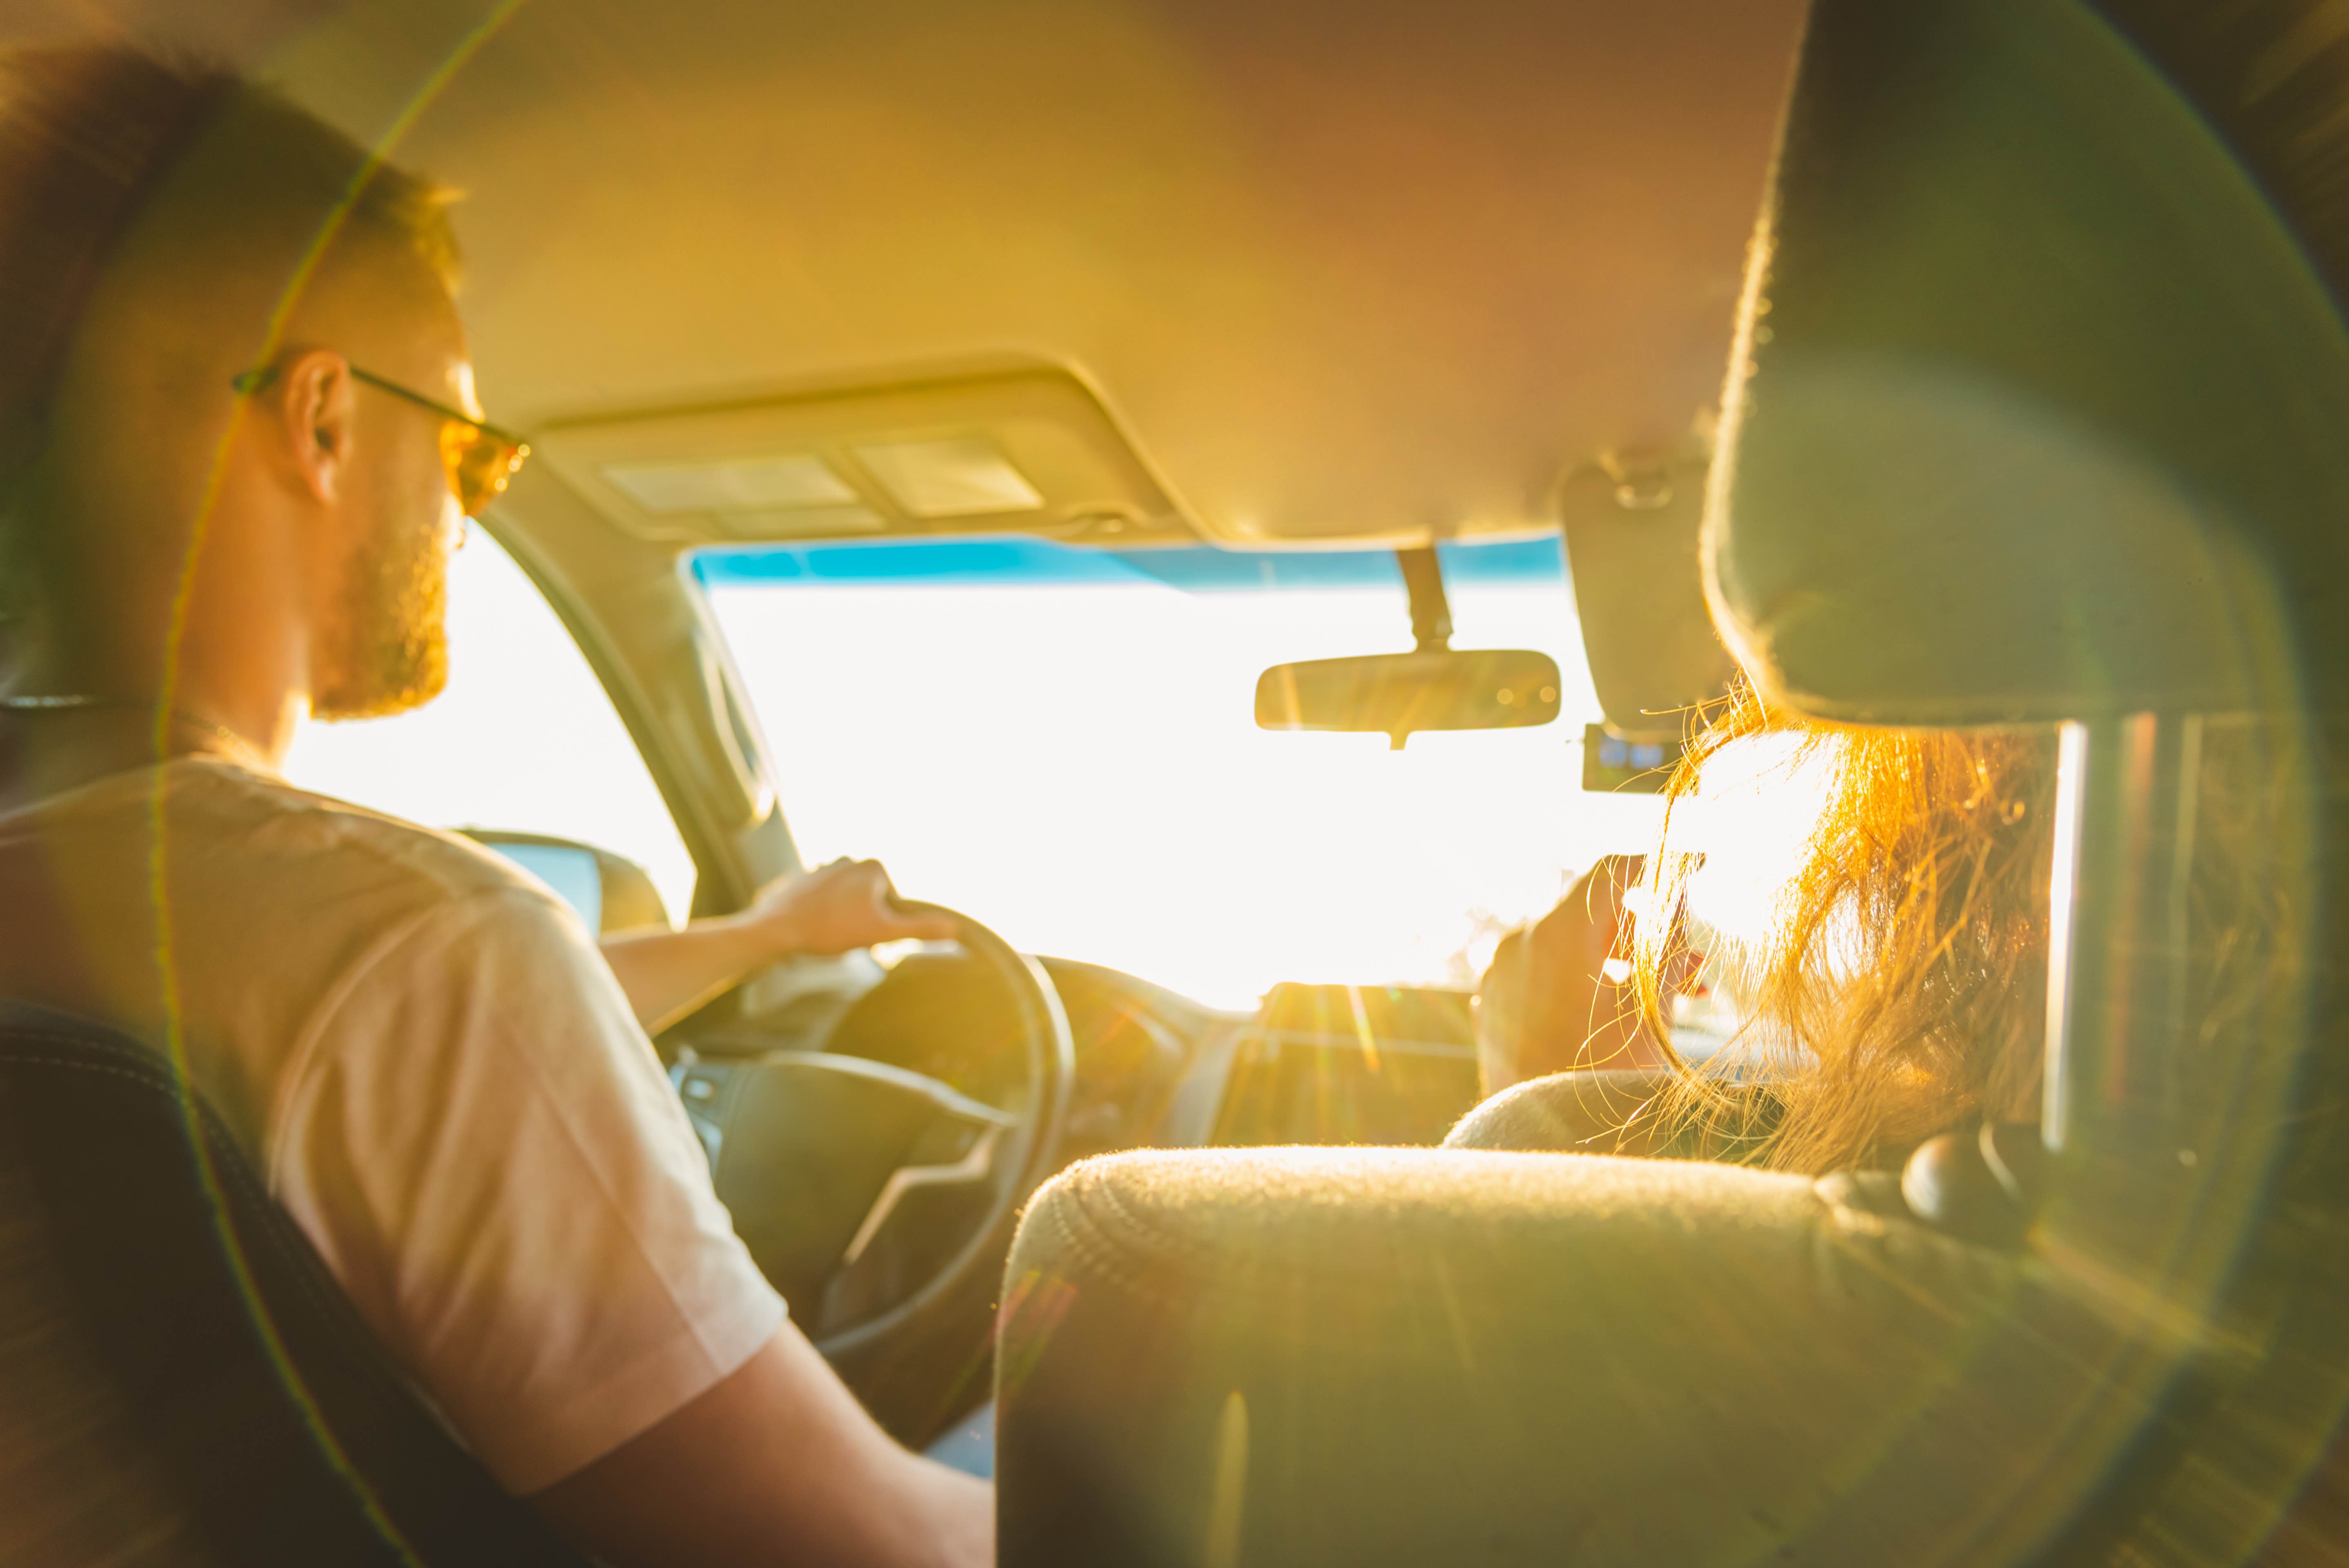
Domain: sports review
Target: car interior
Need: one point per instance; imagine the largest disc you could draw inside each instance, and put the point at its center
(1952, 365)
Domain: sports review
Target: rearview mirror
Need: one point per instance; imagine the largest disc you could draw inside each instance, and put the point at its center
(1398, 694)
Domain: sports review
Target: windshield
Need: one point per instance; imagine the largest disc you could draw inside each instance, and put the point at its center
(1063, 742)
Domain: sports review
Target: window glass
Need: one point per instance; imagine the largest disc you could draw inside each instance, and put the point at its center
(524, 738)
(1063, 742)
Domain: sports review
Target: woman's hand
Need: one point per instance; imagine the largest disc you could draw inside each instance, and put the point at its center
(836, 907)
(1559, 994)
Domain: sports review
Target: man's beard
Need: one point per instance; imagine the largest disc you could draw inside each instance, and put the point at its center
(394, 653)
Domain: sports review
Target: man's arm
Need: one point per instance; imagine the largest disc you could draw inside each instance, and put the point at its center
(775, 1463)
(848, 903)
(487, 1154)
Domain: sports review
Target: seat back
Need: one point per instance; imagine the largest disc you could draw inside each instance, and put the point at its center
(186, 1383)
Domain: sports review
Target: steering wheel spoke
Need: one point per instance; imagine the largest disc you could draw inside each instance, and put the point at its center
(814, 1153)
(975, 1165)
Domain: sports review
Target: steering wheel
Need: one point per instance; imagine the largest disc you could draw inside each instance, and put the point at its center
(814, 1152)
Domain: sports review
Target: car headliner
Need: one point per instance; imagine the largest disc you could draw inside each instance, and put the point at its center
(1343, 268)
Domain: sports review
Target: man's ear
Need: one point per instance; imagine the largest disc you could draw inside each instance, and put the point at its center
(307, 411)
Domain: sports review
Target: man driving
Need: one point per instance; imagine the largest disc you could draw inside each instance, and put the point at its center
(238, 436)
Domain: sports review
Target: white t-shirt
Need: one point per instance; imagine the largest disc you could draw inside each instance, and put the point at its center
(423, 1053)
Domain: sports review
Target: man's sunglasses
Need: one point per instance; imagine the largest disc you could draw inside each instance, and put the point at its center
(478, 457)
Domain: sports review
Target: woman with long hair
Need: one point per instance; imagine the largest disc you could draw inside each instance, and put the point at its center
(1898, 986)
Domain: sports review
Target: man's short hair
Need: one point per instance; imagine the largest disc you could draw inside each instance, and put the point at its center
(89, 137)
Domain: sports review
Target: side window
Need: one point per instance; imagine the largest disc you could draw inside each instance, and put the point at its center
(523, 739)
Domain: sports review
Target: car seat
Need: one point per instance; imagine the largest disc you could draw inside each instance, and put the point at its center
(186, 1383)
(2038, 414)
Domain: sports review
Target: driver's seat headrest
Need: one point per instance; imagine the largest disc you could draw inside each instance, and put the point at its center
(2039, 407)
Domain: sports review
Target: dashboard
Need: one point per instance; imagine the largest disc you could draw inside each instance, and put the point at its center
(1314, 1063)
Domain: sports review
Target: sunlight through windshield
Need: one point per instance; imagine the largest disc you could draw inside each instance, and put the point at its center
(1063, 742)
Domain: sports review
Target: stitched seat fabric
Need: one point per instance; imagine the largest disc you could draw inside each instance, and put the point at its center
(186, 1382)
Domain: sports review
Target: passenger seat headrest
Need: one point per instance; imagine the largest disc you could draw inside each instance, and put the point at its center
(2039, 411)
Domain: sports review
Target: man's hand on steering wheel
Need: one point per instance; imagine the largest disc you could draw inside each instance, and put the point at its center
(846, 904)
(838, 907)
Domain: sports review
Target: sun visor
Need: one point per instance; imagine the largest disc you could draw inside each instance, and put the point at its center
(1631, 524)
(1018, 447)
(2038, 411)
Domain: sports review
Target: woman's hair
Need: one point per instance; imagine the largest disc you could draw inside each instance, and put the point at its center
(1900, 988)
